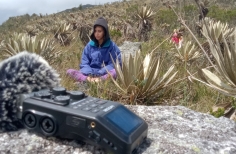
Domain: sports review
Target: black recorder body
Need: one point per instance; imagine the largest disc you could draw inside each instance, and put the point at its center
(72, 115)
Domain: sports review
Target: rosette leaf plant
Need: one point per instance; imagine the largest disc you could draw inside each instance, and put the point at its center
(222, 45)
(141, 79)
(19, 42)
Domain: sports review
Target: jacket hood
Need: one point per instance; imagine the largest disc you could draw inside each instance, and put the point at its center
(101, 22)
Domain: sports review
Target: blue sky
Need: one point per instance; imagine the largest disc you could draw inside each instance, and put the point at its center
(10, 8)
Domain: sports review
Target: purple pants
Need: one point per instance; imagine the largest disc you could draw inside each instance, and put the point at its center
(78, 76)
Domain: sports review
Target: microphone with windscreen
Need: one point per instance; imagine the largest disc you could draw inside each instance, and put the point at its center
(24, 72)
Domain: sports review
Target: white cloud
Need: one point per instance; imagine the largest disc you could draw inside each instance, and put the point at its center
(10, 8)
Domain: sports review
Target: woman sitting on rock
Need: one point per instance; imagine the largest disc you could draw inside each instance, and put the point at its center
(96, 57)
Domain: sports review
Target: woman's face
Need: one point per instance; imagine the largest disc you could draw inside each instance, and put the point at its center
(99, 33)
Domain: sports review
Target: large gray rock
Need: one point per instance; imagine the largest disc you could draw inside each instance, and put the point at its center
(128, 48)
(174, 130)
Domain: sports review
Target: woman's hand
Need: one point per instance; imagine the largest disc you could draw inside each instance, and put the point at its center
(91, 79)
(97, 79)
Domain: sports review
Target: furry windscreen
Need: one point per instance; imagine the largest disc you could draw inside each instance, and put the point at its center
(22, 73)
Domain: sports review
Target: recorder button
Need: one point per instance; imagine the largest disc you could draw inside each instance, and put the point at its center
(111, 144)
(95, 110)
(42, 94)
(93, 105)
(101, 107)
(86, 109)
(76, 95)
(63, 100)
(101, 102)
(58, 91)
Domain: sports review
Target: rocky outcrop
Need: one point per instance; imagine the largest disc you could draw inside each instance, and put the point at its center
(172, 130)
(129, 48)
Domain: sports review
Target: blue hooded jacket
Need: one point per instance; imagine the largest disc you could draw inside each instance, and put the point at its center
(96, 59)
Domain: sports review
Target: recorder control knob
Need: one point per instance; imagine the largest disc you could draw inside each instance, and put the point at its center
(76, 95)
(59, 91)
(43, 94)
(63, 100)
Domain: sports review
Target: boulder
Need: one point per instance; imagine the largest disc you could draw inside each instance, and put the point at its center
(172, 129)
(129, 48)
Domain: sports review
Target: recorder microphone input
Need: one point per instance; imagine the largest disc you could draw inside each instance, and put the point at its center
(48, 126)
(29, 120)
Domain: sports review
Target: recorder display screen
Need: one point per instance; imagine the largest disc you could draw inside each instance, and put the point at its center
(124, 119)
